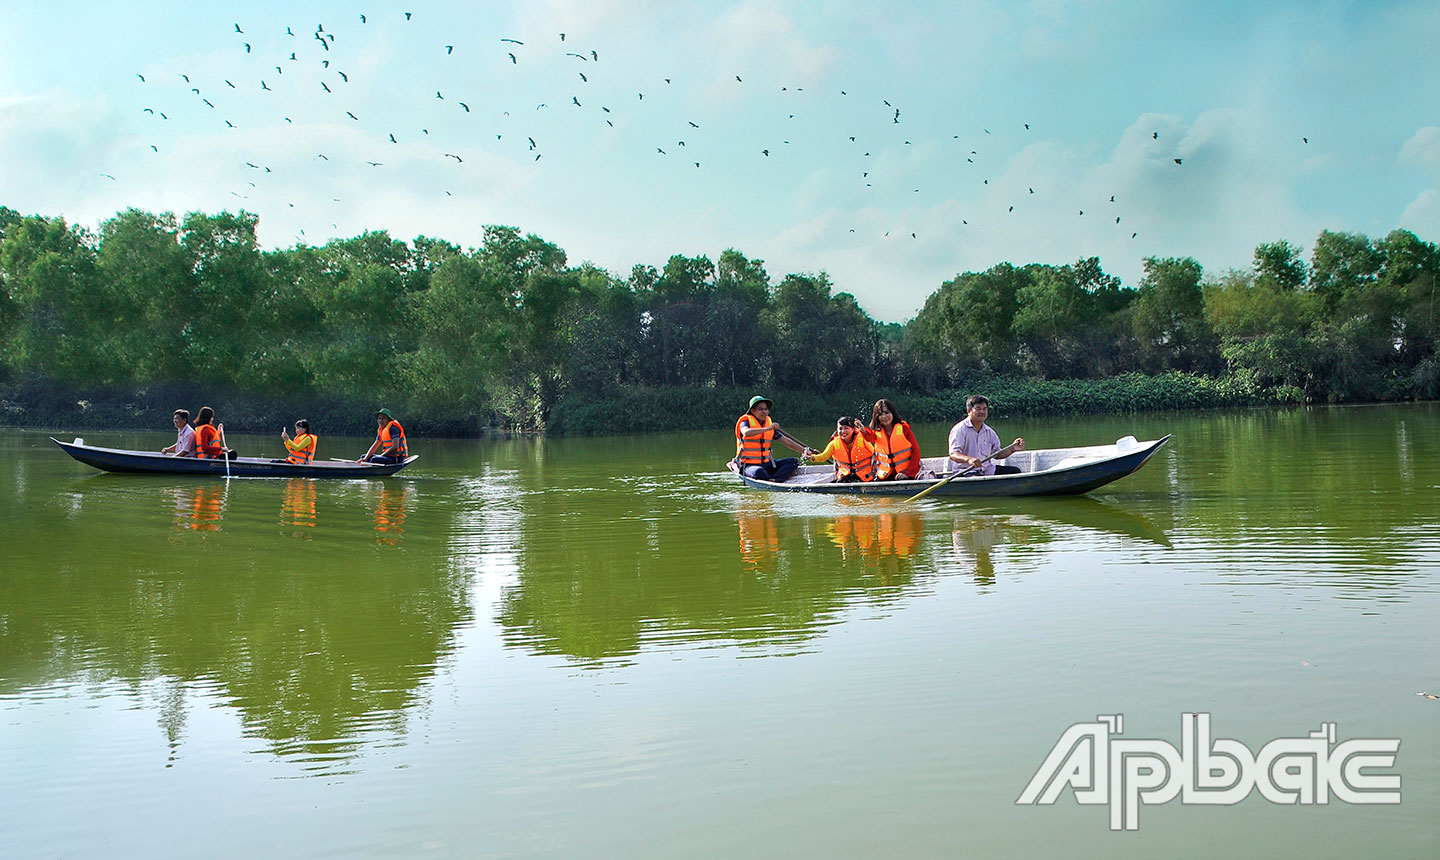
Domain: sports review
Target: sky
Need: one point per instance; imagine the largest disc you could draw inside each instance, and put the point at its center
(889, 145)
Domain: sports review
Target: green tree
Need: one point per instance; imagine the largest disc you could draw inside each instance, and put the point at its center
(1170, 317)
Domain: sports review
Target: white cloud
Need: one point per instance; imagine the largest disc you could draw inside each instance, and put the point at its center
(1423, 148)
(1422, 216)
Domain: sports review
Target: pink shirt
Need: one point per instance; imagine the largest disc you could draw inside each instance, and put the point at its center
(965, 439)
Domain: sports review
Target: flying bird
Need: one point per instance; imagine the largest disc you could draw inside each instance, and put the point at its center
(575, 101)
(1155, 135)
(152, 146)
(573, 54)
(457, 158)
(516, 41)
(449, 49)
(344, 77)
(562, 37)
(149, 111)
(185, 76)
(237, 29)
(375, 163)
(324, 87)
(229, 123)
(108, 176)
(362, 19)
(1177, 161)
(264, 87)
(407, 16)
(141, 77)
(512, 58)
(532, 142)
(737, 78)
(247, 47)
(1305, 139)
(463, 105)
(352, 116)
(582, 77)
(392, 138)
(692, 125)
(765, 152)
(230, 85)
(289, 32)
(594, 56)
(438, 96)
(207, 101)
(320, 155)
(659, 150)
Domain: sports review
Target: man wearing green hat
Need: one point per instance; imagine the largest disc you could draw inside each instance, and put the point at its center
(389, 446)
(754, 431)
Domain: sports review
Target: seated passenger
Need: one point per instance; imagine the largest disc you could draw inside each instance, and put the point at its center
(853, 456)
(897, 454)
(302, 447)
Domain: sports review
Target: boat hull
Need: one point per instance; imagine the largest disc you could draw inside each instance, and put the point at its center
(152, 463)
(1094, 467)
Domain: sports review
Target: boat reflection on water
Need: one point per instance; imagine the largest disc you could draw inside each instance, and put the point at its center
(1020, 534)
(390, 514)
(297, 506)
(199, 507)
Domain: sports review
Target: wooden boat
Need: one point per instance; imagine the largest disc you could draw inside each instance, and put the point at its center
(1043, 472)
(151, 462)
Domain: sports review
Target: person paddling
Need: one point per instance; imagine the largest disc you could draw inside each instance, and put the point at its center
(974, 445)
(302, 447)
(389, 446)
(208, 435)
(754, 432)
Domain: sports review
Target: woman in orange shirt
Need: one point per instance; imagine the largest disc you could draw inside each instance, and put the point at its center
(208, 435)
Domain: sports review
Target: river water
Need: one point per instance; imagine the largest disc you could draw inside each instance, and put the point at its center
(607, 647)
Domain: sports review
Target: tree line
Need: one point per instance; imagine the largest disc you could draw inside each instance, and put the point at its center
(152, 310)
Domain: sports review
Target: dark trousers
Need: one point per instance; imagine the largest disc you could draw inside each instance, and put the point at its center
(774, 470)
(1007, 470)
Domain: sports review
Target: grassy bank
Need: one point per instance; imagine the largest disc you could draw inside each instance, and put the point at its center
(652, 409)
(660, 409)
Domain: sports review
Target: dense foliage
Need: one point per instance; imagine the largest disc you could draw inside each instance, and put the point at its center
(154, 311)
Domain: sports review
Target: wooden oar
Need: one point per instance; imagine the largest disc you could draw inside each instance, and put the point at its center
(952, 476)
(793, 439)
(225, 452)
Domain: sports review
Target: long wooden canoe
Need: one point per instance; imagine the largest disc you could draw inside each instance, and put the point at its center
(1043, 472)
(151, 462)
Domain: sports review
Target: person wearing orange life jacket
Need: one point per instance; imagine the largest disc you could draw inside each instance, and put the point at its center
(302, 447)
(754, 431)
(208, 435)
(853, 456)
(897, 454)
(389, 445)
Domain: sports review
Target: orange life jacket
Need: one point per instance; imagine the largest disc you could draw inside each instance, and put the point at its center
(894, 451)
(857, 458)
(753, 450)
(392, 444)
(207, 442)
(302, 453)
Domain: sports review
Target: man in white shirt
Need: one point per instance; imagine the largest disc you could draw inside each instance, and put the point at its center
(185, 436)
(971, 441)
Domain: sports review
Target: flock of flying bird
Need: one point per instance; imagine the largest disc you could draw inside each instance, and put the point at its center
(321, 48)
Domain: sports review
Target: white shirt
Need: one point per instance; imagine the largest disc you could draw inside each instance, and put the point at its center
(965, 439)
(185, 440)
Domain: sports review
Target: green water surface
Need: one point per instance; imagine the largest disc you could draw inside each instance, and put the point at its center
(607, 647)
